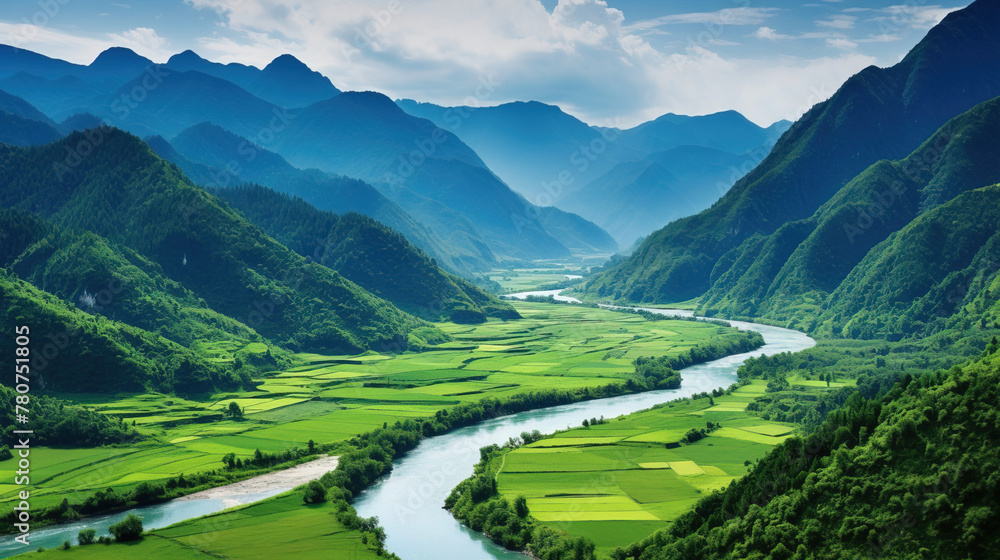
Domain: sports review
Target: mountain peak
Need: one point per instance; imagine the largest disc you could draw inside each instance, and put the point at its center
(187, 56)
(289, 62)
(118, 56)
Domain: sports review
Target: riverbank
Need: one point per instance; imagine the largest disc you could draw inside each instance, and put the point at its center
(572, 329)
(284, 480)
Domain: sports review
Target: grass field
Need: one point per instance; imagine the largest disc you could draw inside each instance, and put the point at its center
(332, 398)
(278, 528)
(616, 483)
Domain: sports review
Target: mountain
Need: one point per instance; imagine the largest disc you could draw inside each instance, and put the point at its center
(576, 233)
(286, 81)
(99, 353)
(365, 135)
(637, 197)
(173, 101)
(53, 96)
(19, 131)
(728, 131)
(14, 60)
(124, 193)
(367, 253)
(116, 64)
(21, 124)
(213, 156)
(420, 166)
(126, 287)
(545, 154)
(827, 272)
(528, 144)
(877, 114)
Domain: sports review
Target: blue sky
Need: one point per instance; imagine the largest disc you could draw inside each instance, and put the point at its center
(613, 62)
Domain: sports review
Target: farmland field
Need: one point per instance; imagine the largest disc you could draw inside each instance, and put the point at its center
(617, 482)
(332, 398)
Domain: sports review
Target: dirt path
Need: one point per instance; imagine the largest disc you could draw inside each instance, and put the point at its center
(284, 479)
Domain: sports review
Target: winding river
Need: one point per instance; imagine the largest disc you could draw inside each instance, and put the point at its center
(409, 501)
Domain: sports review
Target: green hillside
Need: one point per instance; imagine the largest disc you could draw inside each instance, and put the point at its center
(367, 253)
(123, 192)
(823, 269)
(83, 352)
(907, 475)
(877, 114)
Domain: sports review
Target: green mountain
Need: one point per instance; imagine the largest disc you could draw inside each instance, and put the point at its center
(369, 254)
(86, 352)
(877, 114)
(120, 284)
(811, 270)
(123, 192)
(213, 156)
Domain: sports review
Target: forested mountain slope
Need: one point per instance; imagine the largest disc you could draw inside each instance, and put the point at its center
(877, 114)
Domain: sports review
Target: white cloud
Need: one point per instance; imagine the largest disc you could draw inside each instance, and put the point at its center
(53, 43)
(727, 16)
(841, 43)
(838, 22)
(912, 16)
(144, 41)
(769, 33)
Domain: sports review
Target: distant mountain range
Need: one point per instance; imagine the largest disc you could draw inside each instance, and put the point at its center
(626, 181)
(873, 215)
(455, 207)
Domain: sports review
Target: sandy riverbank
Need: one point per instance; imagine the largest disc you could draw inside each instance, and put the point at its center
(278, 480)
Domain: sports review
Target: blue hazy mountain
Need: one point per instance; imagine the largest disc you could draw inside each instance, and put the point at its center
(286, 81)
(544, 153)
(213, 156)
(638, 197)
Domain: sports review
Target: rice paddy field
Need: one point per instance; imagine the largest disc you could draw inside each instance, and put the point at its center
(278, 528)
(618, 482)
(332, 398)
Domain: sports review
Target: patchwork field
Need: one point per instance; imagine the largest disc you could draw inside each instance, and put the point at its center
(332, 398)
(618, 482)
(279, 528)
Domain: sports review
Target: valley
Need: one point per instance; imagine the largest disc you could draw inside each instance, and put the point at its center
(530, 279)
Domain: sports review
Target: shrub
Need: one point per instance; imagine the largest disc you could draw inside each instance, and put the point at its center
(86, 536)
(315, 493)
(128, 529)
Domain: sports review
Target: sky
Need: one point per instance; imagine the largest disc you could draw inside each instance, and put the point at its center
(608, 62)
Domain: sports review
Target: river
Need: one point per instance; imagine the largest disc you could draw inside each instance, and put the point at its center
(409, 501)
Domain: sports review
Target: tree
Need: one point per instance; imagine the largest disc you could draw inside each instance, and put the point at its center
(521, 506)
(234, 411)
(315, 493)
(86, 536)
(128, 529)
(586, 423)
